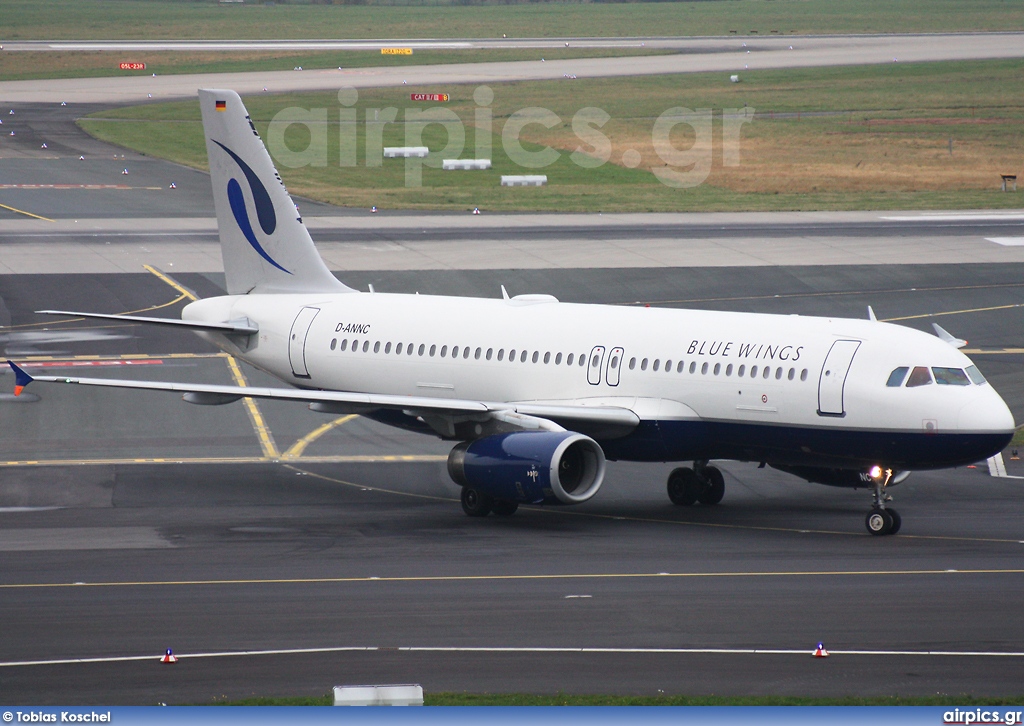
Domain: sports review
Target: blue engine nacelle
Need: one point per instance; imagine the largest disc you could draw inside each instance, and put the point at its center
(531, 467)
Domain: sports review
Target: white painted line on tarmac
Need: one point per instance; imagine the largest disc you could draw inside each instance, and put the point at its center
(1016, 216)
(1007, 241)
(805, 652)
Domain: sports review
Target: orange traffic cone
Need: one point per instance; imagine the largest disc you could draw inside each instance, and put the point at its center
(169, 657)
(819, 652)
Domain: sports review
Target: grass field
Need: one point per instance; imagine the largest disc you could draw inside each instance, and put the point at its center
(163, 19)
(873, 137)
(522, 699)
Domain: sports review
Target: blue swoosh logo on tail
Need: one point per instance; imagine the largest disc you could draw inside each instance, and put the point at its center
(264, 207)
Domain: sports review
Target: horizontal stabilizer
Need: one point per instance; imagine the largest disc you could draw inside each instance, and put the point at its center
(239, 327)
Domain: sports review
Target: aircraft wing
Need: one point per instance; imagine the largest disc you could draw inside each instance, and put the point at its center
(242, 327)
(209, 393)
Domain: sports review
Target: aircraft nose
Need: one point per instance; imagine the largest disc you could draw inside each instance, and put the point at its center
(988, 413)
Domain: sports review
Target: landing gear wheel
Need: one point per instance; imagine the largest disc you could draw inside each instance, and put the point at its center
(504, 508)
(475, 503)
(715, 486)
(879, 522)
(684, 487)
(897, 521)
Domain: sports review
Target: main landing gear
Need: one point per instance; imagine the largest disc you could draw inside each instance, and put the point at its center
(702, 483)
(477, 504)
(881, 519)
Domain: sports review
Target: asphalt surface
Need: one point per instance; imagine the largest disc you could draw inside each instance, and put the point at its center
(131, 522)
(726, 55)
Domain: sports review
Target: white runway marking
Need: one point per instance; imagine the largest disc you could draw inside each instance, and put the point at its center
(804, 652)
(1007, 241)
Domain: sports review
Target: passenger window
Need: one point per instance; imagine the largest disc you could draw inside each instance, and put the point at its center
(728, 370)
(668, 366)
(718, 368)
(398, 349)
(643, 364)
(568, 361)
(679, 367)
(778, 374)
(465, 353)
(536, 356)
(704, 369)
(344, 345)
(522, 357)
(766, 372)
(376, 347)
(753, 371)
(693, 366)
(334, 343)
(919, 377)
(547, 358)
(387, 348)
(740, 371)
(408, 349)
(444, 350)
(366, 346)
(657, 364)
(489, 351)
(422, 348)
(433, 350)
(897, 376)
(501, 354)
(792, 374)
(582, 359)
(511, 355)
(615, 361)
(975, 375)
(558, 359)
(632, 363)
(594, 363)
(455, 351)
(950, 377)
(803, 375)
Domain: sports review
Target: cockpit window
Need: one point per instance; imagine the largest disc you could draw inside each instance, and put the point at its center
(897, 376)
(919, 377)
(950, 377)
(975, 375)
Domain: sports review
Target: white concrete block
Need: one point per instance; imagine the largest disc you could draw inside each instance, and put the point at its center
(452, 164)
(403, 152)
(400, 695)
(526, 180)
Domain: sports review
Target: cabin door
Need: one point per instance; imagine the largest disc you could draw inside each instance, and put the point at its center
(297, 341)
(833, 377)
(594, 365)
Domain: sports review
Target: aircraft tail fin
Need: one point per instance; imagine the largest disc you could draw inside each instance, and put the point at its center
(265, 246)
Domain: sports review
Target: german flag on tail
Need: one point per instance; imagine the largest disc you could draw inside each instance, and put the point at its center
(222, 105)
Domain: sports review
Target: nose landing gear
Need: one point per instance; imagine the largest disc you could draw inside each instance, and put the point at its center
(702, 483)
(882, 520)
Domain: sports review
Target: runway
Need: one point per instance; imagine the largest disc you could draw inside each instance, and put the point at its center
(726, 55)
(281, 552)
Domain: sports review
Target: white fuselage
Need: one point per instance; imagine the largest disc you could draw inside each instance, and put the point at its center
(666, 365)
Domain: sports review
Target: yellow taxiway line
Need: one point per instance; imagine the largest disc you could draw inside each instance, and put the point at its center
(515, 578)
(27, 214)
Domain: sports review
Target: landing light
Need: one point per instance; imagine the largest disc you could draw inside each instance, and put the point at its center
(876, 471)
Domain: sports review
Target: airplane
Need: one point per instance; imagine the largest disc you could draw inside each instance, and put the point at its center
(538, 394)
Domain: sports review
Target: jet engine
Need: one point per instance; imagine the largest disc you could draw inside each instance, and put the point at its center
(530, 466)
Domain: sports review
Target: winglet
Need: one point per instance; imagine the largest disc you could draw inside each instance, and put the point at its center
(945, 337)
(504, 293)
(871, 314)
(21, 378)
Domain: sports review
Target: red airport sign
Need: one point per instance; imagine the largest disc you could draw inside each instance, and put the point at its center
(442, 97)
(132, 66)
